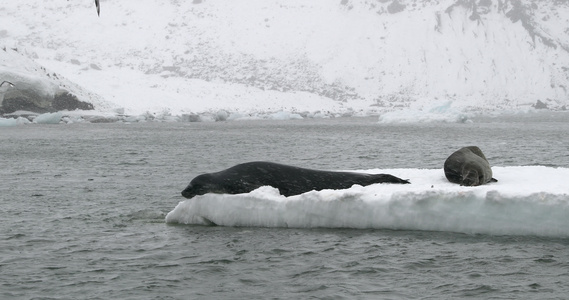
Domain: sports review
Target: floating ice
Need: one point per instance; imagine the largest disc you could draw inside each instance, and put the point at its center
(13, 122)
(49, 118)
(531, 200)
(282, 115)
(441, 112)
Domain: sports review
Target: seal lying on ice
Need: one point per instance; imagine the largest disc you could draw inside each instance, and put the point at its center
(468, 166)
(289, 180)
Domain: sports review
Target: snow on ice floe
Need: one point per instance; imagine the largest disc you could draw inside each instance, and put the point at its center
(527, 200)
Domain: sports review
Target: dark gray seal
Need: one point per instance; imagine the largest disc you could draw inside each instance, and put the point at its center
(289, 180)
(469, 167)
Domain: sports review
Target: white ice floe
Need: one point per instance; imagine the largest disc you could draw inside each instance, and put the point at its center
(528, 200)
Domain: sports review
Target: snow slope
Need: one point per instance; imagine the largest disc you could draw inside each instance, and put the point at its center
(339, 57)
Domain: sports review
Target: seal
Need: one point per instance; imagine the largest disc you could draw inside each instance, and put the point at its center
(469, 167)
(289, 180)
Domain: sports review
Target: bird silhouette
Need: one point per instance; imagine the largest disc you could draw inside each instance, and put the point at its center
(98, 7)
(8, 82)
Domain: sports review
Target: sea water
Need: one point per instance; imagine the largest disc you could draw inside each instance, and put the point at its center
(83, 214)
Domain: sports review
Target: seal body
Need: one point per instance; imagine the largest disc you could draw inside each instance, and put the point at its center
(469, 167)
(289, 180)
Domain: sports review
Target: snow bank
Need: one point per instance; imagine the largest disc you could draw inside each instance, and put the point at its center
(352, 57)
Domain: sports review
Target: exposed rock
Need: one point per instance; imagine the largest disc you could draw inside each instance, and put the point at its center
(67, 101)
(29, 99)
(30, 87)
(15, 100)
(395, 7)
(540, 105)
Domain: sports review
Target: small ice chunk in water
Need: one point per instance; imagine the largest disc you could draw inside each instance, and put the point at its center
(49, 118)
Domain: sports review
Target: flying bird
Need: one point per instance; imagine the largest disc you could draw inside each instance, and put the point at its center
(8, 82)
(98, 7)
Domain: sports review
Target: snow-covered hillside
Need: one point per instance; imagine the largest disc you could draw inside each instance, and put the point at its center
(343, 56)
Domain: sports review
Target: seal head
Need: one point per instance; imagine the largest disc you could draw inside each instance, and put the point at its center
(468, 167)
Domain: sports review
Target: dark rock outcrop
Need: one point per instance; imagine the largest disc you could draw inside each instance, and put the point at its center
(28, 99)
(540, 105)
(27, 86)
(67, 101)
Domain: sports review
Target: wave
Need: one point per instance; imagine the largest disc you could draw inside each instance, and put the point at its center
(532, 200)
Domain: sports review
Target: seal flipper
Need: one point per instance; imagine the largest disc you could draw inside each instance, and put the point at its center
(493, 180)
(388, 178)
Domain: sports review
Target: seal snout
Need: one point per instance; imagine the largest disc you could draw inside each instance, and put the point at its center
(188, 192)
(471, 178)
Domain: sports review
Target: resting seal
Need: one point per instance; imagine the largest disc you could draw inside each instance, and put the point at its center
(289, 180)
(468, 166)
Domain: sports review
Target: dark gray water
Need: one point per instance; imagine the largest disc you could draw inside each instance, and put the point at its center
(83, 207)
